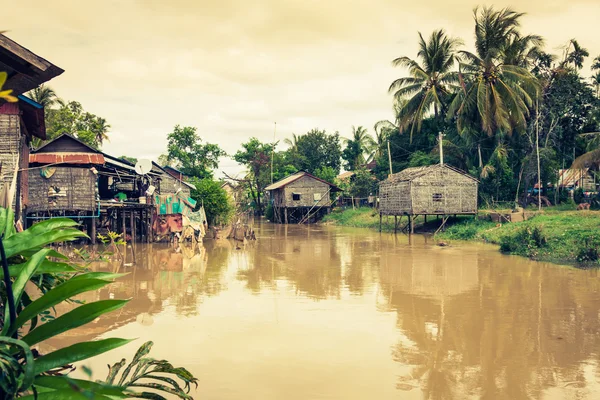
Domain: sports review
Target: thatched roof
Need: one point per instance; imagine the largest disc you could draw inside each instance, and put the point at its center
(410, 174)
(294, 177)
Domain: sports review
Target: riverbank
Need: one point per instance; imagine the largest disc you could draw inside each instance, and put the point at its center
(571, 237)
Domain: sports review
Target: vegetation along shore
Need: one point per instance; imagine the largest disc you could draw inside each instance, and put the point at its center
(555, 235)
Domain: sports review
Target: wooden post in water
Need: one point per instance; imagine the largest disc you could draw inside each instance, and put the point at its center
(395, 223)
(93, 228)
(132, 224)
(380, 217)
(123, 228)
(285, 215)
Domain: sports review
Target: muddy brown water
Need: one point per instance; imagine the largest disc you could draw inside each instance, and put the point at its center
(334, 313)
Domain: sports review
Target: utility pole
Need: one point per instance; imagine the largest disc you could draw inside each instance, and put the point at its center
(273, 151)
(389, 157)
(441, 144)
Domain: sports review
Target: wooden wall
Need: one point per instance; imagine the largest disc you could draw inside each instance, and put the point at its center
(307, 187)
(442, 191)
(77, 190)
(11, 142)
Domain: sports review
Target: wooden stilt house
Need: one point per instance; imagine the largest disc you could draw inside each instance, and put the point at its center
(433, 190)
(300, 198)
(22, 121)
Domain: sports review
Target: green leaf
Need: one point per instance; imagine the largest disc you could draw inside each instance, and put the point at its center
(46, 267)
(76, 352)
(73, 319)
(64, 394)
(98, 275)
(35, 237)
(28, 367)
(64, 382)
(27, 272)
(24, 277)
(54, 296)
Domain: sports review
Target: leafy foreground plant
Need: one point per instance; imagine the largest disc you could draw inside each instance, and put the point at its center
(25, 373)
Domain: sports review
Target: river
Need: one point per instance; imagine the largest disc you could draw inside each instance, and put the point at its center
(319, 312)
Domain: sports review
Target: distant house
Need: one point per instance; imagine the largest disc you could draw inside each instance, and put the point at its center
(22, 121)
(577, 178)
(300, 197)
(432, 190)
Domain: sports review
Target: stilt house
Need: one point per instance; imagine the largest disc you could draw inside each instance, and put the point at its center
(300, 197)
(433, 190)
(22, 121)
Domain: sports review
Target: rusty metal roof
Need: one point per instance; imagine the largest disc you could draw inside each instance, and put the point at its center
(294, 177)
(66, 158)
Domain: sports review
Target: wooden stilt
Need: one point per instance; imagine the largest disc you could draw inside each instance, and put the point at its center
(411, 223)
(425, 217)
(123, 228)
(93, 229)
(380, 218)
(395, 224)
(285, 215)
(132, 225)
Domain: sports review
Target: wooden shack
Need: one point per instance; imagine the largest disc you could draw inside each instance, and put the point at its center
(433, 190)
(22, 121)
(62, 177)
(300, 197)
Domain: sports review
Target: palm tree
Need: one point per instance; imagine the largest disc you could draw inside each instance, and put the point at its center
(592, 156)
(574, 56)
(596, 83)
(495, 94)
(430, 82)
(44, 95)
(293, 142)
(523, 51)
(101, 128)
(361, 144)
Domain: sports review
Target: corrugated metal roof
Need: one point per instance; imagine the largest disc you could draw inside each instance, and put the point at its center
(410, 174)
(66, 158)
(345, 175)
(294, 177)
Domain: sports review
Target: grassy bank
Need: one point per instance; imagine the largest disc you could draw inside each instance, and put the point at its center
(558, 236)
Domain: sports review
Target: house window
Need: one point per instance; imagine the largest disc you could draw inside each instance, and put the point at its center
(438, 197)
(296, 196)
(317, 196)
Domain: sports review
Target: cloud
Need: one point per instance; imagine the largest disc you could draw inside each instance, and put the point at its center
(232, 68)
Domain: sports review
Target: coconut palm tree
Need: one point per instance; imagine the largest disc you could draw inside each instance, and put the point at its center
(430, 81)
(293, 142)
(360, 145)
(596, 83)
(495, 95)
(523, 51)
(44, 95)
(101, 128)
(574, 55)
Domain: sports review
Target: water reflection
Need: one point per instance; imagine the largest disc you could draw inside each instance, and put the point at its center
(320, 312)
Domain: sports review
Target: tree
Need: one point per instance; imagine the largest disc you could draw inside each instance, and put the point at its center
(132, 160)
(72, 119)
(363, 184)
(431, 81)
(215, 200)
(43, 95)
(358, 148)
(496, 95)
(574, 55)
(256, 156)
(186, 152)
(317, 149)
(326, 173)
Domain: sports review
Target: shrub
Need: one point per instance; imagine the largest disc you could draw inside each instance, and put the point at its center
(526, 241)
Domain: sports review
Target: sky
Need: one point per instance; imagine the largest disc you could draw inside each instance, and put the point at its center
(234, 68)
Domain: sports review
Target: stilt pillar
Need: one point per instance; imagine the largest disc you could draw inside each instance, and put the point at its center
(93, 228)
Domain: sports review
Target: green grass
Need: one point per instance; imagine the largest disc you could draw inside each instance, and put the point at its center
(363, 217)
(555, 235)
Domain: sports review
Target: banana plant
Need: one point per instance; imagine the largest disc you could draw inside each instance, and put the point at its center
(26, 374)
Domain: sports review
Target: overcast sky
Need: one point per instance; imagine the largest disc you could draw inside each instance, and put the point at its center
(232, 68)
